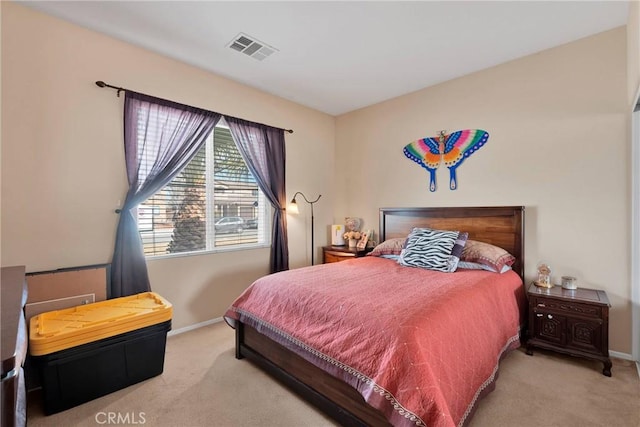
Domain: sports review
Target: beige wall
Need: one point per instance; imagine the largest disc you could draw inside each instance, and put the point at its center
(558, 145)
(0, 126)
(633, 52)
(633, 90)
(63, 166)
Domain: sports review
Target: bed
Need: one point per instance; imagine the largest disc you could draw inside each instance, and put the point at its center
(410, 363)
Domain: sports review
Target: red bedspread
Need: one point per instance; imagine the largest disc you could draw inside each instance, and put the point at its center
(421, 346)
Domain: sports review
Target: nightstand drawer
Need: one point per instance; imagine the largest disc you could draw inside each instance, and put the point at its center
(336, 256)
(342, 253)
(567, 307)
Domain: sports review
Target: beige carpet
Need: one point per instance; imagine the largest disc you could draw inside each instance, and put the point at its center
(204, 385)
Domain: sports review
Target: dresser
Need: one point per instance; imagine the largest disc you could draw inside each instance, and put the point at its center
(14, 346)
(341, 253)
(574, 322)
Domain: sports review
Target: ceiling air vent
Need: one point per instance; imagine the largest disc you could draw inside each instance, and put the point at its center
(251, 47)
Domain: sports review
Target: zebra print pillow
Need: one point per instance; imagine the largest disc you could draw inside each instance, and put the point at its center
(433, 249)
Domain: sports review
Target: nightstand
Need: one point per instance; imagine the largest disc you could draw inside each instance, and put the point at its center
(341, 253)
(574, 322)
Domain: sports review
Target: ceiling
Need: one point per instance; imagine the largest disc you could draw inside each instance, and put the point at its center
(335, 56)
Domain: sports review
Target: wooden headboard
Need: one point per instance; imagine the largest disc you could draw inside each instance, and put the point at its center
(499, 225)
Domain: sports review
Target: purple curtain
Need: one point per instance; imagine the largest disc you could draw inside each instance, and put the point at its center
(160, 139)
(262, 148)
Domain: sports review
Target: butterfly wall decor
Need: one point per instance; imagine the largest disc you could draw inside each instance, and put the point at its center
(449, 149)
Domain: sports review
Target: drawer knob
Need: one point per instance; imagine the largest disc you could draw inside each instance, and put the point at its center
(541, 304)
(549, 316)
(539, 315)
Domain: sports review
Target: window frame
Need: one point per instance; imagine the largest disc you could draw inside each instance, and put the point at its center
(264, 216)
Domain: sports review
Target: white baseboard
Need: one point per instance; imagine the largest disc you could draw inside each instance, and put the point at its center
(623, 356)
(196, 326)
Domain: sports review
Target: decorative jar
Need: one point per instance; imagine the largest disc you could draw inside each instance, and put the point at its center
(569, 282)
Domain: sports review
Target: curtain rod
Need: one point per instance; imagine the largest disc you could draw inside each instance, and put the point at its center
(100, 83)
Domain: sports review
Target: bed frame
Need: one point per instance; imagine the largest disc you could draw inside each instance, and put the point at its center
(501, 225)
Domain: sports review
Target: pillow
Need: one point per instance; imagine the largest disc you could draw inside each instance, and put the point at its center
(431, 249)
(490, 257)
(456, 252)
(388, 247)
(475, 266)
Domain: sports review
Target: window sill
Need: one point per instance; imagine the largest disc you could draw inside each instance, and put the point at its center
(234, 248)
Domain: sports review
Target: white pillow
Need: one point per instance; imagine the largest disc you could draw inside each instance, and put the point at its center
(476, 266)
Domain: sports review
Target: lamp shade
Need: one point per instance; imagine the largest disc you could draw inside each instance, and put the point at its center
(293, 207)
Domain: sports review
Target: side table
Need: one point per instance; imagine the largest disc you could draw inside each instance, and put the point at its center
(574, 322)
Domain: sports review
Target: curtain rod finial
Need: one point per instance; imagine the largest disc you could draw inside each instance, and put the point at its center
(100, 83)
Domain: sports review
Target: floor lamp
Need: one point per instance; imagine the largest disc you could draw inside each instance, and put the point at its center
(293, 208)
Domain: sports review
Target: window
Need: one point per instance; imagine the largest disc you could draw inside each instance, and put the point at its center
(214, 203)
